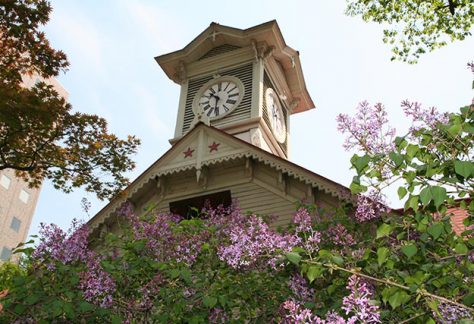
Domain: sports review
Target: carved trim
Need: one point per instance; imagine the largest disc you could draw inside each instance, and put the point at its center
(254, 156)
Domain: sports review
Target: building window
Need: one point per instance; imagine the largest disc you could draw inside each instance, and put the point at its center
(15, 224)
(24, 196)
(6, 253)
(189, 207)
(5, 181)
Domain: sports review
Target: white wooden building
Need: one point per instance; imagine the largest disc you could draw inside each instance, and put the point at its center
(231, 141)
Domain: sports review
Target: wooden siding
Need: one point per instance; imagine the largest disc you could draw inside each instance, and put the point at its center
(262, 191)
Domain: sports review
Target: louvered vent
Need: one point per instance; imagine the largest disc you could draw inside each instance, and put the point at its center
(219, 50)
(266, 117)
(244, 73)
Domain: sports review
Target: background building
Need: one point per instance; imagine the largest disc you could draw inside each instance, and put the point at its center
(17, 200)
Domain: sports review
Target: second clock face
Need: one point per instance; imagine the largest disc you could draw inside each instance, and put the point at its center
(219, 97)
(277, 117)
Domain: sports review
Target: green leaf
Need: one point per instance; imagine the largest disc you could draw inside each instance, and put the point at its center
(426, 196)
(468, 299)
(31, 299)
(461, 248)
(454, 130)
(186, 275)
(382, 254)
(314, 272)
(85, 307)
(337, 260)
(293, 257)
(384, 230)
(360, 162)
(116, 319)
(400, 142)
(412, 150)
(19, 309)
(174, 273)
(209, 301)
(464, 168)
(439, 195)
(398, 298)
(409, 250)
(401, 192)
(436, 230)
(357, 188)
(412, 203)
(396, 158)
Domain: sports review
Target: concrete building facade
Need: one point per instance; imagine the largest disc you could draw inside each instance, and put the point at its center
(17, 200)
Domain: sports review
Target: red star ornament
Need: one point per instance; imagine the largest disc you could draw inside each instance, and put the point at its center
(213, 147)
(188, 153)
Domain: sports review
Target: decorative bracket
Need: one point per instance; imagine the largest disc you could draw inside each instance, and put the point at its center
(294, 103)
(180, 72)
(249, 167)
(283, 181)
(202, 176)
(161, 186)
(309, 194)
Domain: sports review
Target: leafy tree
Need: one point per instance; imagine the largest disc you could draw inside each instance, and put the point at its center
(414, 27)
(40, 136)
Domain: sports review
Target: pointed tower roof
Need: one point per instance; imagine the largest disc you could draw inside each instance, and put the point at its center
(266, 37)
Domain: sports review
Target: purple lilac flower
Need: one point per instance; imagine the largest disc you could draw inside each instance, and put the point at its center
(299, 286)
(358, 303)
(310, 238)
(339, 236)
(369, 206)
(294, 313)
(334, 318)
(252, 242)
(57, 245)
(218, 316)
(368, 130)
(303, 220)
(423, 118)
(166, 244)
(452, 314)
(150, 290)
(96, 284)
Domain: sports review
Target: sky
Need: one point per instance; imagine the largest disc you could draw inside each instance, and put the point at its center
(111, 45)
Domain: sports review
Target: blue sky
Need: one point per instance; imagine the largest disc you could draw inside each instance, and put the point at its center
(111, 46)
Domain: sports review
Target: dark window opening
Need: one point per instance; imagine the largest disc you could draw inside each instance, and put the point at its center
(190, 207)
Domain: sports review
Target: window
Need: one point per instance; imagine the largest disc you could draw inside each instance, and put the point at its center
(15, 224)
(24, 196)
(187, 207)
(6, 253)
(5, 181)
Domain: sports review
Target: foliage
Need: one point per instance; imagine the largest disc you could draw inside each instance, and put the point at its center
(40, 136)
(414, 27)
(8, 271)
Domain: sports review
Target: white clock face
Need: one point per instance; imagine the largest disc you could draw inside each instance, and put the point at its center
(277, 118)
(219, 97)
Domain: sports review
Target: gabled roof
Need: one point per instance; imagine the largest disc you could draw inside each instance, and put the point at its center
(267, 33)
(193, 152)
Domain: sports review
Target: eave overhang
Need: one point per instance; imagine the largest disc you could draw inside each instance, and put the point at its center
(268, 34)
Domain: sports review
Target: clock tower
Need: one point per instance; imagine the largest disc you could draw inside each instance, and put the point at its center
(244, 82)
(238, 89)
